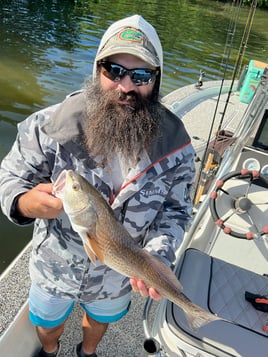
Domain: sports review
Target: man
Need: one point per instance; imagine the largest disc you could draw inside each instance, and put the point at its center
(118, 136)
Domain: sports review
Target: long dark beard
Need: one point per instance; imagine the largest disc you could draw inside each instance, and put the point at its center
(125, 129)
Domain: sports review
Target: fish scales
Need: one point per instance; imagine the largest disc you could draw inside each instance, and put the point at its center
(106, 225)
(107, 239)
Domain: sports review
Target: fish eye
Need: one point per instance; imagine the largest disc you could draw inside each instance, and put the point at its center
(76, 186)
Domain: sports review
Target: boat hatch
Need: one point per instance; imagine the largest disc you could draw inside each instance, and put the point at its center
(220, 287)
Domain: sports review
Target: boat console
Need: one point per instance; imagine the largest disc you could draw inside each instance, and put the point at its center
(254, 155)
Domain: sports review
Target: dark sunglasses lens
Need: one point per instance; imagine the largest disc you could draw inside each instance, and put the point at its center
(117, 71)
(139, 77)
(142, 76)
(112, 71)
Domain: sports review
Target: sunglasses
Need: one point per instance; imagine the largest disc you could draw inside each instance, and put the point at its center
(139, 76)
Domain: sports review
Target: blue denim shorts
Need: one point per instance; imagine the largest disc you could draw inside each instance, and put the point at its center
(48, 311)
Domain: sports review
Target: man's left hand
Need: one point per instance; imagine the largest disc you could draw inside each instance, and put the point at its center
(139, 287)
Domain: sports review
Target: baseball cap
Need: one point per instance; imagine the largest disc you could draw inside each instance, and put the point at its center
(131, 41)
(147, 44)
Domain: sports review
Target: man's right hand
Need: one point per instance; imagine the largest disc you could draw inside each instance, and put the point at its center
(39, 202)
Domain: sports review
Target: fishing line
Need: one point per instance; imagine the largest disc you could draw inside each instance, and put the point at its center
(226, 57)
(230, 37)
(227, 54)
(242, 48)
(209, 154)
(243, 44)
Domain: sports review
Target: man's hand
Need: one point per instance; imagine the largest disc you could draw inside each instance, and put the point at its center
(39, 202)
(139, 287)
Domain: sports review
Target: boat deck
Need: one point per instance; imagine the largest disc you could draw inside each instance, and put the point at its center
(197, 107)
(123, 338)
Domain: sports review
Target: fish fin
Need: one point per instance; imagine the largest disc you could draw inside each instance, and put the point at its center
(163, 269)
(199, 317)
(87, 246)
(90, 252)
(96, 249)
(196, 322)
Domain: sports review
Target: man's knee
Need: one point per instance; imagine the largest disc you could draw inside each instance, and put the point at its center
(89, 321)
(50, 330)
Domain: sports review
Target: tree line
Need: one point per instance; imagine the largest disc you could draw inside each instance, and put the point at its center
(260, 3)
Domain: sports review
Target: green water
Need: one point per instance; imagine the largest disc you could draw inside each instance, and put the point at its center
(47, 49)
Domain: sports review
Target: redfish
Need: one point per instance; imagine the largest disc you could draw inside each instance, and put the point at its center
(105, 238)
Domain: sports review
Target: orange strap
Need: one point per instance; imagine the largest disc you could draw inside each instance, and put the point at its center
(261, 301)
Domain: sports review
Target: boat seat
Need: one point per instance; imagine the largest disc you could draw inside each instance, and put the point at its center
(220, 287)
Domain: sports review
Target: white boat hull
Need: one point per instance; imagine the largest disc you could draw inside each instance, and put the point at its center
(20, 338)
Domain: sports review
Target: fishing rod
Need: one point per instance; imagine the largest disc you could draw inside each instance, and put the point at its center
(245, 37)
(242, 49)
(206, 168)
(210, 152)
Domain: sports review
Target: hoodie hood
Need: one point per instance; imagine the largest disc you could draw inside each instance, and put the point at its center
(132, 35)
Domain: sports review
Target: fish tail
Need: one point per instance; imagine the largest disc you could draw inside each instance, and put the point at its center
(200, 318)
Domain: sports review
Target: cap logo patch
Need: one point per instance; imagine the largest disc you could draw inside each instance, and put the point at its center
(131, 34)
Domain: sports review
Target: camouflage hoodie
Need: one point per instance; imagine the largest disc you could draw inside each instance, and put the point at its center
(153, 202)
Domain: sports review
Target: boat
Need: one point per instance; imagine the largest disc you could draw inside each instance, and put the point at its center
(205, 244)
(217, 262)
(223, 261)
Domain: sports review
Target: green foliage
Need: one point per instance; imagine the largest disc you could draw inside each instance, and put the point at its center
(263, 3)
(260, 3)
